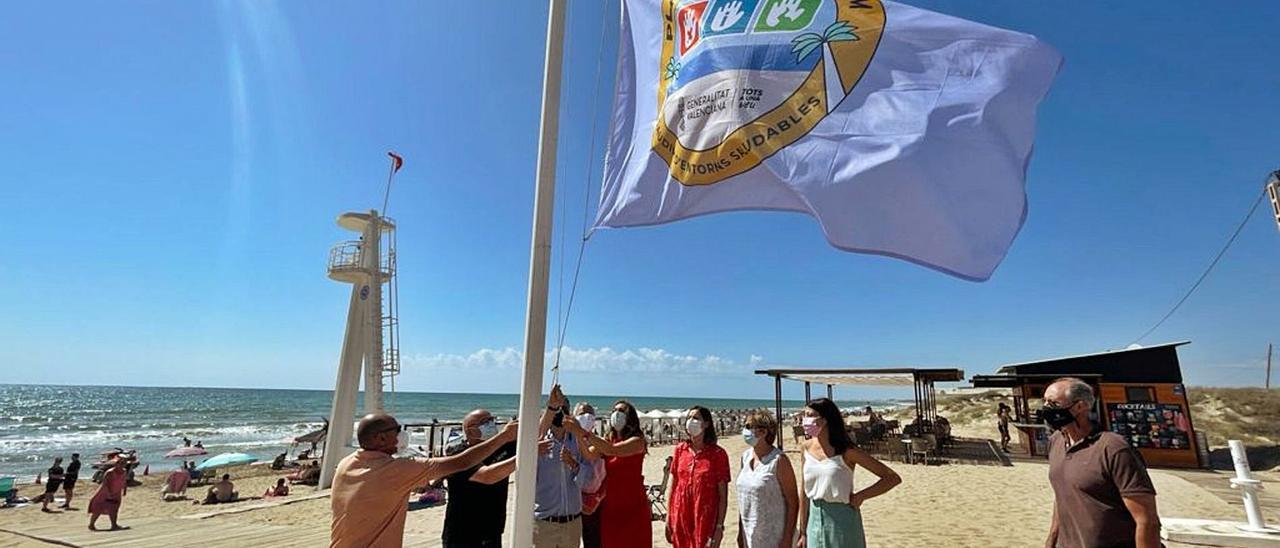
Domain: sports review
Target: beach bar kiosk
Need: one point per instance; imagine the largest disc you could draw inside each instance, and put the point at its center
(1140, 396)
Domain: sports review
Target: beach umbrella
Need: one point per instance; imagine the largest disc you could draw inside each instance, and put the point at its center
(654, 414)
(184, 452)
(226, 459)
(677, 413)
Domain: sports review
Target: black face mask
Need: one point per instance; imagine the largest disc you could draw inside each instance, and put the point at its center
(558, 420)
(1057, 417)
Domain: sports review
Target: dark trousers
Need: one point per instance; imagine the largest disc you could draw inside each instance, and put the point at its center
(591, 530)
(495, 542)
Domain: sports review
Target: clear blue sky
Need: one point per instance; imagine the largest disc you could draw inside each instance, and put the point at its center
(170, 174)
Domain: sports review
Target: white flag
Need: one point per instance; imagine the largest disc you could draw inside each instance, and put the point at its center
(905, 132)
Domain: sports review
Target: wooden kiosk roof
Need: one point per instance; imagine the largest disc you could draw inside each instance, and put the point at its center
(1143, 364)
(900, 376)
(920, 379)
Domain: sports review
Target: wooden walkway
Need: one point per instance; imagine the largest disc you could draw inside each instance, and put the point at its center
(1218, 483)
(171, 532)
(241, 508)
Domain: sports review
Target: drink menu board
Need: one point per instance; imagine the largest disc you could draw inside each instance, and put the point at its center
(1151, 425)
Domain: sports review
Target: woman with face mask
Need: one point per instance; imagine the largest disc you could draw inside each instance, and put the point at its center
(594, 493)
(699, 491)
(830, 509)
(624, 512)
(768, 501)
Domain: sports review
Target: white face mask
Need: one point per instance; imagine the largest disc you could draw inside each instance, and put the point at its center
(749, 436)
(587, 421)
(694, 427)
(402, 440)
(618, 420)
(488, 429)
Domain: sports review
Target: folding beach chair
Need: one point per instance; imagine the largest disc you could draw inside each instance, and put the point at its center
(658, 494)
(924, 446)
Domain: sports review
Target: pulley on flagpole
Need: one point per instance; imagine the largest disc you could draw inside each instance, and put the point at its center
(1273, 191)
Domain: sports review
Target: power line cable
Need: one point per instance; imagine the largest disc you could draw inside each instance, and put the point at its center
(1206, 272)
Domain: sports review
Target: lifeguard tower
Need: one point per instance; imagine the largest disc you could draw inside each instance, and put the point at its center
(372, 342)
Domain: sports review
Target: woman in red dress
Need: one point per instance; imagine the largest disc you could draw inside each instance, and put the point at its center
(624, 513)
(109, 496)
(699, 485)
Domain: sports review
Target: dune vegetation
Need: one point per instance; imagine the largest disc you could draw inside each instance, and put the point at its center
(1251, 415)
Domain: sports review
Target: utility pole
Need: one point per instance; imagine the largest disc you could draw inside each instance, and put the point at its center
(1268, 383)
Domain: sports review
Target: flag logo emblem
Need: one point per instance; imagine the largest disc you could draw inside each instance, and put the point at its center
(742, 79)
(690, 17)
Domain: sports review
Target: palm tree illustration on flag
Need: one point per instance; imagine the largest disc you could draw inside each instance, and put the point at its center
(805, 44)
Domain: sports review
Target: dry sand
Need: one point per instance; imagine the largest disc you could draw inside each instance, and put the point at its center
(947, 505)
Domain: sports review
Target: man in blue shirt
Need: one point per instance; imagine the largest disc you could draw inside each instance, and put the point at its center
(562, 474)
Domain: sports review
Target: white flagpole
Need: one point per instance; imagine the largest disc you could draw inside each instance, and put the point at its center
(535, 336)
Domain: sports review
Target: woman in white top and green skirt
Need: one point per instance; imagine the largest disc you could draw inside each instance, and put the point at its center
(830, 513)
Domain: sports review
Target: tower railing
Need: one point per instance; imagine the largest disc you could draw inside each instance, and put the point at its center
(346, 257)
(388, 264)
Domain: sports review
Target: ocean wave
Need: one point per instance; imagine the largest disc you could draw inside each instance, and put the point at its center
(221, 436)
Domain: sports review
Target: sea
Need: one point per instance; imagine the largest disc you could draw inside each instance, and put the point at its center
(40, 422)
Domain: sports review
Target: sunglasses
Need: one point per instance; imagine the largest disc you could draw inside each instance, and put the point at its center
(395, 428)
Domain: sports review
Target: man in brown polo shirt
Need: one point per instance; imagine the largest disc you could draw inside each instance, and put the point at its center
(1102, 495)
(371, 487)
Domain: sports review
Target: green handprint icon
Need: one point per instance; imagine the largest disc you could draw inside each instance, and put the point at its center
(787, 15)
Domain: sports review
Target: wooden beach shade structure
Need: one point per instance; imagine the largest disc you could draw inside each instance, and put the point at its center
(920, 380)
(1140, 396)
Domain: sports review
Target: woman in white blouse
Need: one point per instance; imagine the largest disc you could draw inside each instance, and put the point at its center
(831, 512)
(767, 496)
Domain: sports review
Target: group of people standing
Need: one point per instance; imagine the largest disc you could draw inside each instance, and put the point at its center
(113, 485)
(590, 489)
(61, 478)
(112, 488)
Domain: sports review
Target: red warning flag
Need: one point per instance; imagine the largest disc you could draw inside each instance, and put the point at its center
(396, 161)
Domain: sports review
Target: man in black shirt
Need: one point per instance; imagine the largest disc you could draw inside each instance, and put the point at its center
(477, 510)
(51, 486)
(69, 480)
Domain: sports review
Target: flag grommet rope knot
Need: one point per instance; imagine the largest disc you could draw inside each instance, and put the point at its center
(904, 132)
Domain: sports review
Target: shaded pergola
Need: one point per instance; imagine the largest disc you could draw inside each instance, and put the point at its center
(920, 379)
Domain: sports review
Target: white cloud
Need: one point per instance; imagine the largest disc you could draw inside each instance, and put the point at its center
(603, 359)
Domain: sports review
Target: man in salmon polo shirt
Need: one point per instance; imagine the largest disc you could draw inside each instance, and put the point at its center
(370, 495)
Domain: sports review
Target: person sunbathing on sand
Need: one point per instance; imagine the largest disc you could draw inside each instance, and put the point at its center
(281, 489)
(223, 491)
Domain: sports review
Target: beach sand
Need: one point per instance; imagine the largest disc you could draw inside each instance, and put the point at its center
(941, 505)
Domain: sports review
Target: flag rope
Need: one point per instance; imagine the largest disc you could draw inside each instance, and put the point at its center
(563, 326)
(1206, 272)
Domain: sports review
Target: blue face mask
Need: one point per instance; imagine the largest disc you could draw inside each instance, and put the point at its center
(749, 436)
